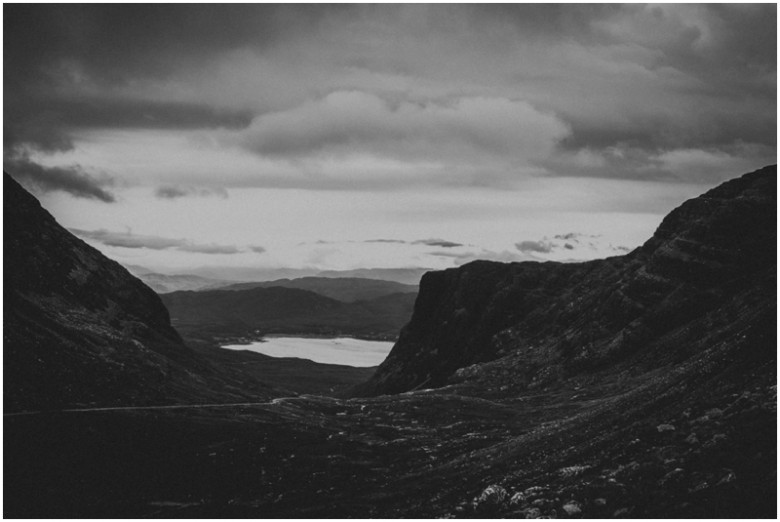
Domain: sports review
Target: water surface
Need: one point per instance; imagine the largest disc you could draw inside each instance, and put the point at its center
(341, 350)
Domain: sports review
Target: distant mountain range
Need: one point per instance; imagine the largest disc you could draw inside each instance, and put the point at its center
(253, 312)
(165, 283)
(407, 276)
(346, 289)
(207, 309)
(203, 277)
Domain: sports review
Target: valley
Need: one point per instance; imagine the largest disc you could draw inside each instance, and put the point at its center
(639, 386)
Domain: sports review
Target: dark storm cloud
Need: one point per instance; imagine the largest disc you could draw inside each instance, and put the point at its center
(51, 48)
(718, 61)
(46, 123)
(72, 180)
(179, 191)
(574, 90)
(120, 42)
(130, 240)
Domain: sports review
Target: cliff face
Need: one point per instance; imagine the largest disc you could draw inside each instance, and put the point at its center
(78, 328)
(710, 267)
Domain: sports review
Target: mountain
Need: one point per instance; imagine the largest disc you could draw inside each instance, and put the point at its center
(407, 276)
(79, 329)
(166, 283)
(252, 312)
(641, 386)
(705, 277)
(346, 289)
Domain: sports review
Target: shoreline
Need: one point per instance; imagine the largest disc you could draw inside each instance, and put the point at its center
(342, 351)
(245, 340)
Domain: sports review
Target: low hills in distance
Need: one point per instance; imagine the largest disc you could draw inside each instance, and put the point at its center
(367, 282)
(166, 283)
(235, 315)
(210, 310)
(346, 289)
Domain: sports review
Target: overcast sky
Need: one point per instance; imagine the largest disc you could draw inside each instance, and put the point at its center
(345, 136)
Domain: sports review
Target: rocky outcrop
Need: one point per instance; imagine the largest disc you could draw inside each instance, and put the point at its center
(533, 323)
(79, 329)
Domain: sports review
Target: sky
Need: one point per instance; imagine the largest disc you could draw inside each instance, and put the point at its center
(333, 137)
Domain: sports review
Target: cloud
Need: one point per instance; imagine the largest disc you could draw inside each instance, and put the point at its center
(73, 179)
(130, 240)
(571, 246)
(438, 243)
(443, 243)
(542, 247)
(693, 165)
(460, 258)
(179, 191)
(344, 122)
(209, 249)
(481, 94)
(400, 241)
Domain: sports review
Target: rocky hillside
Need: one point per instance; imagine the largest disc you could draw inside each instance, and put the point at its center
(711, 262)
(80, 330)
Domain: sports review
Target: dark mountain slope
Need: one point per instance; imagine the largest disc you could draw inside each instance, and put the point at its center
(346, 289)
(79, 329)
(554, 320)
(248, 313)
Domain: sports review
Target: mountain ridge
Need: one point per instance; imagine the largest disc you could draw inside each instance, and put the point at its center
(253, 312)
(345, 289)
(578, 315)
(79, 329)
